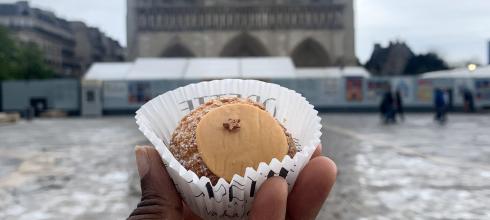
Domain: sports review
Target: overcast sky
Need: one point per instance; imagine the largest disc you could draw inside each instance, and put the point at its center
(457, 29)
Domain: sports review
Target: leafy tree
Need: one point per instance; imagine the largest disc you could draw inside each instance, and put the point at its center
(20, 60)
(33, 66)
(425, 63)
(7, 55)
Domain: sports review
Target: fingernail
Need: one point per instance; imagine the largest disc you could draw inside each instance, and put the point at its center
(142, 160)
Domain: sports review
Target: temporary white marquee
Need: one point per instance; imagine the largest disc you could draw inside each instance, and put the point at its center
(210, 68)
(479, 72)
(108, 71)
(213, 68)
(154, 68)
(194, 68)
(332, 72)
(270, 67)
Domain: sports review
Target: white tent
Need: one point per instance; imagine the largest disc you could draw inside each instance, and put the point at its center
(108, 71)
(267, 67)
(214, 68)
(358, 71)
(479, 72)
(332, 72)
(211, 68)
(155, 68)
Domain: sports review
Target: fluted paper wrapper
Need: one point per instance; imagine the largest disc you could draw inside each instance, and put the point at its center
(158, 118)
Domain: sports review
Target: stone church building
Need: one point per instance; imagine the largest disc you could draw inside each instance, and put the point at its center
(313, 33)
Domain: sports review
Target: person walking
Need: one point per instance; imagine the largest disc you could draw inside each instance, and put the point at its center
(387, 109)
(469, 103)
(439, 106)
(399, 105)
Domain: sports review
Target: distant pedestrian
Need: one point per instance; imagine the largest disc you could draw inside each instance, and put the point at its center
(469, 103)
(387, 108)
(399, 105)
(448, 99)
(440, 105)
(29, 113)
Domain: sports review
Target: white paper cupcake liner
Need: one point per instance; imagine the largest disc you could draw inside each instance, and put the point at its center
(158, 118)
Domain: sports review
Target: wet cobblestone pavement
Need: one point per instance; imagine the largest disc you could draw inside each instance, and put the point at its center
(82, 168)
(412, 170)
(67, 168)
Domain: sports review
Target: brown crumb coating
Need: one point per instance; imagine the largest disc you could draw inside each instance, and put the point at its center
(183, 144)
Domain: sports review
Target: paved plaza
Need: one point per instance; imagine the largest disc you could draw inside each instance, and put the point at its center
(83, 168)
(67, 168)
(417, 169)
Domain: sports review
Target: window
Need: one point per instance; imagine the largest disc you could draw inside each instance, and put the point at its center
(90, 96)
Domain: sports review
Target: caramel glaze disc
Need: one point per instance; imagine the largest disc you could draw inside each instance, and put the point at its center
(230, 150)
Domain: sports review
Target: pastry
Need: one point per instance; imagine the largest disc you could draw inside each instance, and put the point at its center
(224, 136)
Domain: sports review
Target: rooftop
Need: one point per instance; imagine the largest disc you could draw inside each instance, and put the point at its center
(479, 72)
(213, 68)
(22, 8)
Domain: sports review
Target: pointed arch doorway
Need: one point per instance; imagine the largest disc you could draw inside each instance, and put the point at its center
(310, 53)
(244, 45)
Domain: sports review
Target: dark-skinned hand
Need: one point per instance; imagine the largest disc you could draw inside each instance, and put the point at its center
(160, 199)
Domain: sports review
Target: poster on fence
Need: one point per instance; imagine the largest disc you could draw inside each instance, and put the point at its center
(139, 92)
(425, 89)
(482, 89)
(376, 88)
(404, 86)
(353, 89)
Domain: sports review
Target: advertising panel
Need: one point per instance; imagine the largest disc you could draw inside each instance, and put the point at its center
(376, 88)
(482, 89)
(425, 89)
(139, 92)
(405, 87)
(353, 89)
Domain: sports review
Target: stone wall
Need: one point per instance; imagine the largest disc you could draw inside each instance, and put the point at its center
(323, 31)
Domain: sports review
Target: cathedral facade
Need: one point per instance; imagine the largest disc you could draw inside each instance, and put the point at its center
(314, 33)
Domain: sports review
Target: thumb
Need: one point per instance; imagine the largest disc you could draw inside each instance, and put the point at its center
(159, 199)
